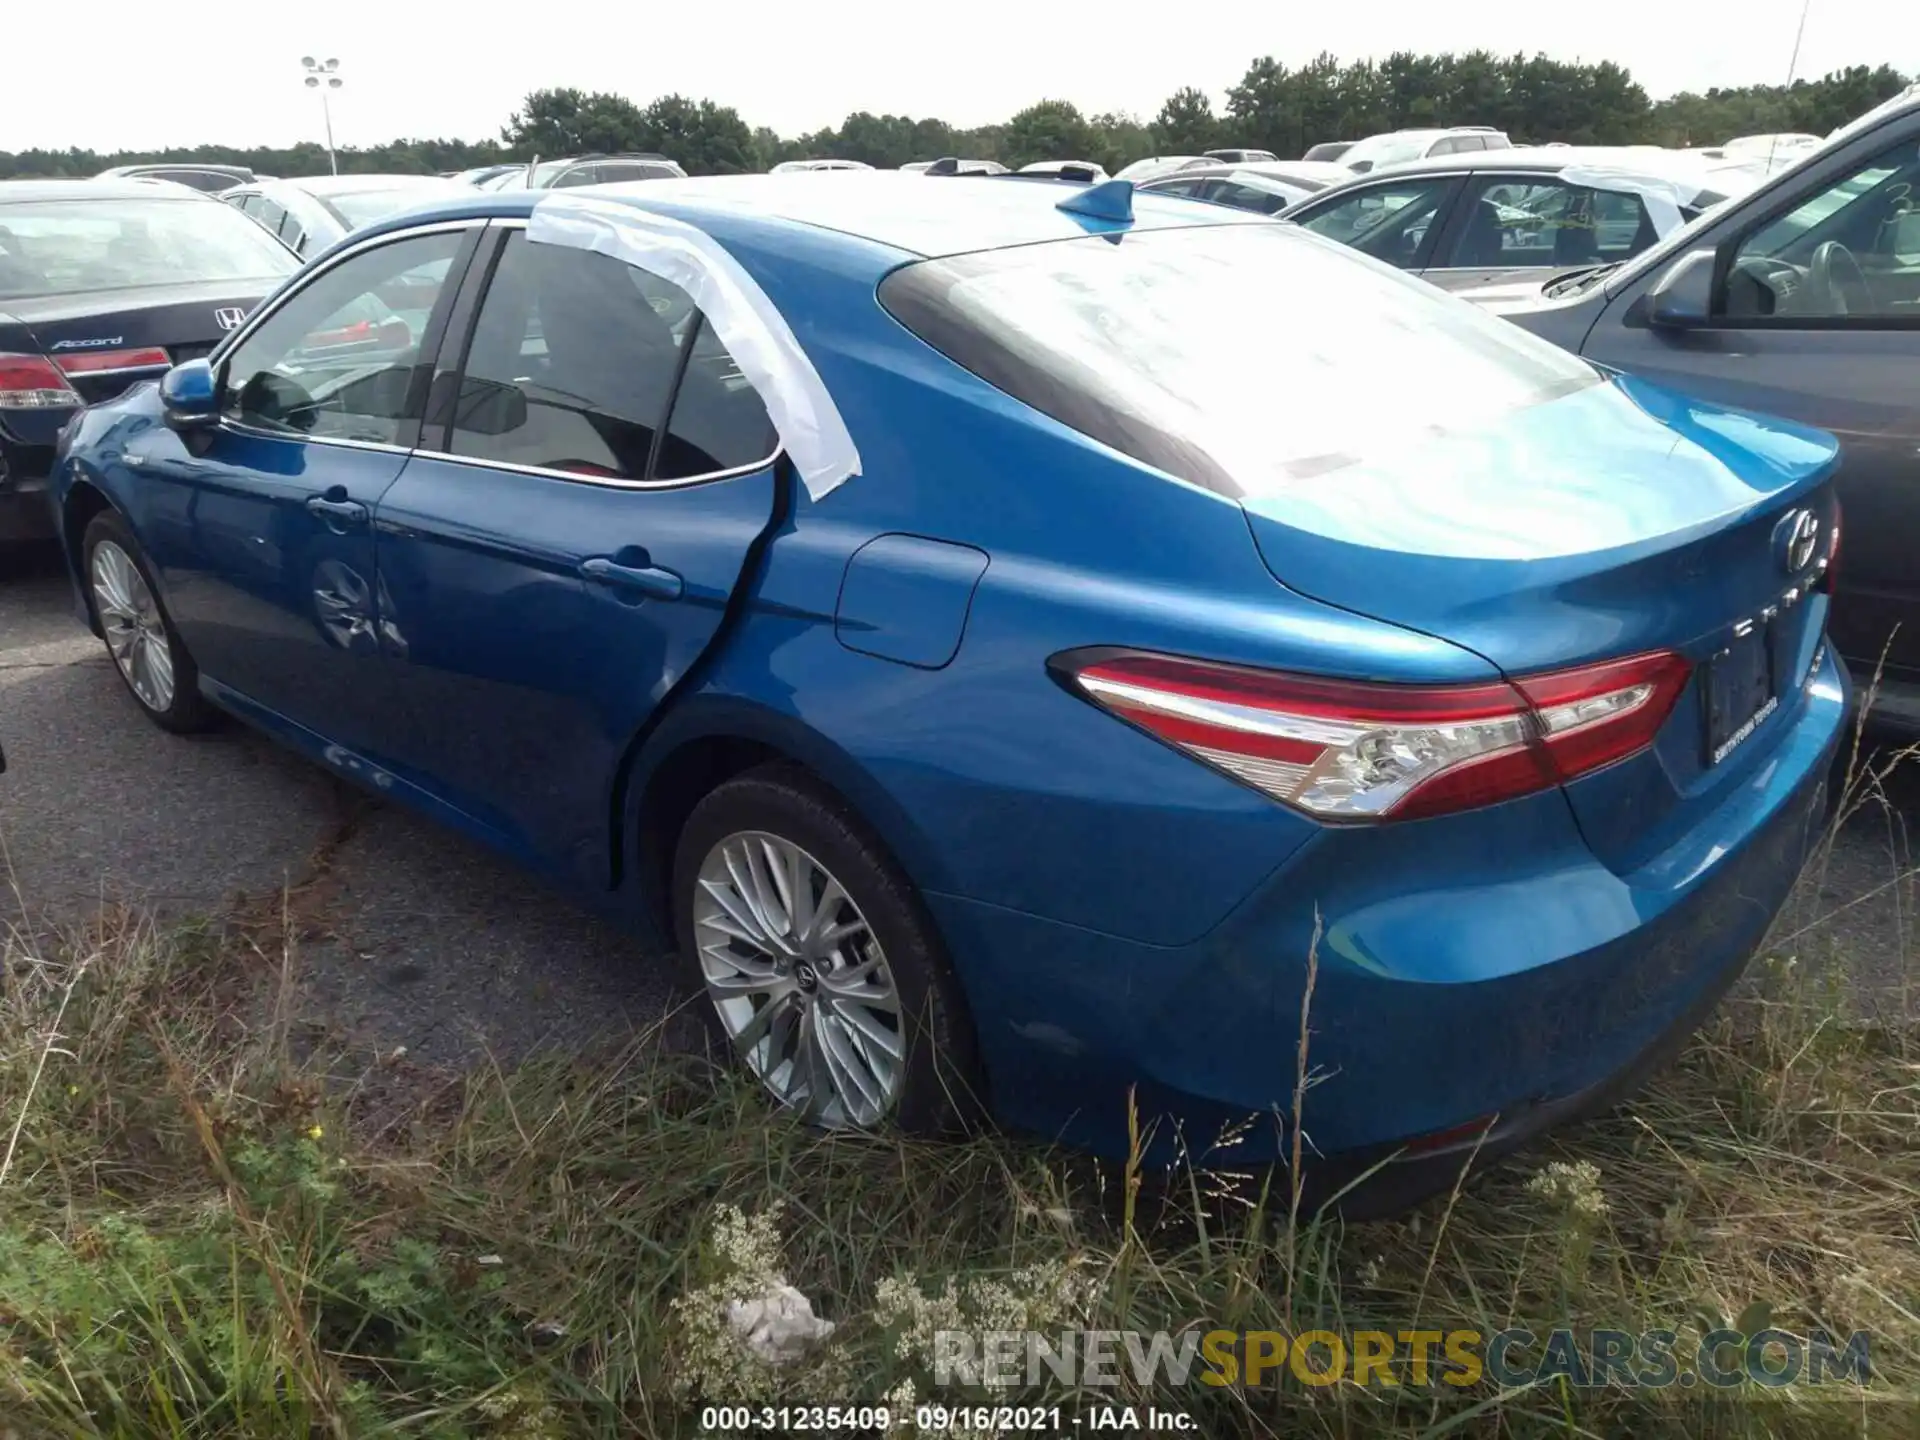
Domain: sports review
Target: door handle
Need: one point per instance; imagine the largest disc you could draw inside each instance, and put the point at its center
(339, 514)
(648, 580)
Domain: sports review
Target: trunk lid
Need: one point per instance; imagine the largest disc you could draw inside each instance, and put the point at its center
(1613, 520)
(186, 320)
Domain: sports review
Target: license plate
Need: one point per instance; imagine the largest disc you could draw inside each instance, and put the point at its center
(1740, 692)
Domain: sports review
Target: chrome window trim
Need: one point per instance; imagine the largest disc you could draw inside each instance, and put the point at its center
(234, 427)
(307, 275)
(606, 482)
(519, 222)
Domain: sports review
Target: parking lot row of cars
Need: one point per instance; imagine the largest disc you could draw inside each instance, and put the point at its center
(993, 631)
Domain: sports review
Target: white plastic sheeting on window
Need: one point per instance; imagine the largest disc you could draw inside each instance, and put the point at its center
(1662, 195)
(753, 330)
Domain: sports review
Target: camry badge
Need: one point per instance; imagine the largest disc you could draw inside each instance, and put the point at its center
(228, 317)
(1797, 536)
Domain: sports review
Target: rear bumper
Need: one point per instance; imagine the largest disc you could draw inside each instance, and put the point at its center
(1502, 977)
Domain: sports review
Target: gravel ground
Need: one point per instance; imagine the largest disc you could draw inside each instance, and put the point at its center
(414, 936)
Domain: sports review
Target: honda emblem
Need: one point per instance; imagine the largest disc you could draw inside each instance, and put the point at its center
(228, 317)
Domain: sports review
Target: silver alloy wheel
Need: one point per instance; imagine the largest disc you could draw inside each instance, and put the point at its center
(135, 632)
(799, 980)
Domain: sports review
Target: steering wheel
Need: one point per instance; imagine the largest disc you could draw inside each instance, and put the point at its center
(1838, 283)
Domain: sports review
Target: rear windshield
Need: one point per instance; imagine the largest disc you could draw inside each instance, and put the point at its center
(63, 247)
(1382, 150)
(1246, 358)
(363, 207)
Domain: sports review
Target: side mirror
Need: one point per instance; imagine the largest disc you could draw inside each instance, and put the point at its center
(189, 399)
(1683, 298)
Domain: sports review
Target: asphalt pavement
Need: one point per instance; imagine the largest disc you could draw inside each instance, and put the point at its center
(410, 935)
(405, 933)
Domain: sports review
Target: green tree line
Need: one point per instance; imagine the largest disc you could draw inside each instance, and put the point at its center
(1274, 106)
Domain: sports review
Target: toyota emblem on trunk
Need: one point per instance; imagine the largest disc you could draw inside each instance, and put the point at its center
(1799, 534)
(228, 317)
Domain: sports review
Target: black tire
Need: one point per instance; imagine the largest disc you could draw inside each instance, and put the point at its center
(188, 713)
(941, 1091)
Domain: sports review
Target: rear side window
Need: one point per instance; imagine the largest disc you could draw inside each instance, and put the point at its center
(719, 422)
(1247, 358)
(574, 359)
(1514, 223)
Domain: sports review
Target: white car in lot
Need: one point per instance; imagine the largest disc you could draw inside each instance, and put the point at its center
(794, 167)
(1072, 169)
(1154, 167)
(1398, 147)
(310, 214)
(1496, 226)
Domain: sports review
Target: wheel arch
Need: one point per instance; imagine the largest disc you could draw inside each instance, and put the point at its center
(704, 743)
(82, 502)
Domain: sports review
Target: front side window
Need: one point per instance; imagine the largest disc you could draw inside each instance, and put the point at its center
(67, 247)
(339, 360)
(1851, 249)
(1390, 222)
(1515, 224)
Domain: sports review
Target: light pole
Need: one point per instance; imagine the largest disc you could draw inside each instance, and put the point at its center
(324, 76)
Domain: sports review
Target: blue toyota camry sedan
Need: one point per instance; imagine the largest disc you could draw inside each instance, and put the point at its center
(1005, 637)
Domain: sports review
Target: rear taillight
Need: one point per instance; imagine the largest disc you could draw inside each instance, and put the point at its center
(33, 382)
(108, 362)
(1353, 750)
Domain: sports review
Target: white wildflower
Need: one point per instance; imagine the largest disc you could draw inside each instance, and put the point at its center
(1574, 1188)
(746, 1321)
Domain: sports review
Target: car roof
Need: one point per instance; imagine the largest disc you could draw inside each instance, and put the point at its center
(354, 184)
(1550, 160)
(132, 188)
(903, 212)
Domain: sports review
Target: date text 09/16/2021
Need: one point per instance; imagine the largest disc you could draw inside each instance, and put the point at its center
(1050, 1422)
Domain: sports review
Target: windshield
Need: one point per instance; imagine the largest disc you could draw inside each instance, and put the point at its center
(64, 247)
(1248, 358)
(363, 207)
(1387, 150)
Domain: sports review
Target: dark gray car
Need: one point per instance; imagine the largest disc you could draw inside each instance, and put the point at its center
(1469, 221)
(1800, 299)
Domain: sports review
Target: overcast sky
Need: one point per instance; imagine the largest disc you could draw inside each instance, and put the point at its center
(124, 74)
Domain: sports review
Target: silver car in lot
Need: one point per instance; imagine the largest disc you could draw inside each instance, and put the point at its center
(1264, 188)
(310, 214)
(1478, 222)
(1398, 147)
